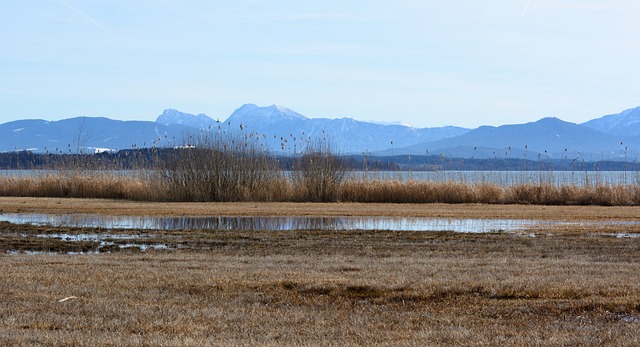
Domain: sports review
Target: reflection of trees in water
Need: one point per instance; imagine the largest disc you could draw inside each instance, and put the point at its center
(251, 223)
(272, 223)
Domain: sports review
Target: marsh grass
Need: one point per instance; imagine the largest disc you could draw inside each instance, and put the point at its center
(224, 165)
(76, 184)
(489, 193)
(312, 288)
(197, 184)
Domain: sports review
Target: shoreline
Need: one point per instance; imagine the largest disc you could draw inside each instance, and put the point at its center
(203, 209)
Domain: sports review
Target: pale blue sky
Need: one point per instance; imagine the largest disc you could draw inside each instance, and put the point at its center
(423, 62)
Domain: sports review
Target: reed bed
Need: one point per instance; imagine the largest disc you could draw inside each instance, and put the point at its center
(86, 184)
(235, 166)
(490, 193)
(149, 187)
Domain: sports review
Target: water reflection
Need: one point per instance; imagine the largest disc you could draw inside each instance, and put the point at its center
(270, 223)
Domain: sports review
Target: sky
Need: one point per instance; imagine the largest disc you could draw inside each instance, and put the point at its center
(420, 62)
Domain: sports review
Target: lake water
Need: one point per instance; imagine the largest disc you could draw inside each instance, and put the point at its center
(505, 178)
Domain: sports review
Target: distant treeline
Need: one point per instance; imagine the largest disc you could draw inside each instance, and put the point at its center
(442, 163)
(148, 158)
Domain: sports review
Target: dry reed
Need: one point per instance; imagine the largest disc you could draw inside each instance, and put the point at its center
(489, 193)
(235, 166)
(92, 184)
(185, 186)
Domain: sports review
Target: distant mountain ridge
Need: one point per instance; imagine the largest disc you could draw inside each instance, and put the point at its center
(345, 134)
(254, 115)
(610, 137)
(86, 135)
(626, 123)
(547, 138)
(199, 121)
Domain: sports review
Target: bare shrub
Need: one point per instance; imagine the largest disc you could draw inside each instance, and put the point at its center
(219, 166)
(319, 173)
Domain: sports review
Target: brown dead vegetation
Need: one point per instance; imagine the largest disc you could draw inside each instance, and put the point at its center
(574, 286)
(325, 183)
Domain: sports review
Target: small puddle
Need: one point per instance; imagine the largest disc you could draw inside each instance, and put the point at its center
(93, 243)
(108, 242)
(623, 235)
(92, 237)
(88, 243)
(270, 223)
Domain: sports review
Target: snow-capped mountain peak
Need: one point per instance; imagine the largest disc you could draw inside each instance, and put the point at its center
(399, 123)
(270, 114)
(172, 116)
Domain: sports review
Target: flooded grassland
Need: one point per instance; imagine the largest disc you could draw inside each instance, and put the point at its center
(573, 280)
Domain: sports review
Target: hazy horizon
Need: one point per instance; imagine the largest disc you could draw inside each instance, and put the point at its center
(390, 122)
(423, 63)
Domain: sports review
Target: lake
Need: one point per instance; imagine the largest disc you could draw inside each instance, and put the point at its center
(504, 178)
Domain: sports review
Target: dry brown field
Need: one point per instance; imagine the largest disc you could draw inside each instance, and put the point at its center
(569, 285)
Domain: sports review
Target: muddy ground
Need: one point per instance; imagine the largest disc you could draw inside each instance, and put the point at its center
(578, 284)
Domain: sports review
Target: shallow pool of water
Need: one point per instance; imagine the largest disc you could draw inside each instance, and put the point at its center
(271, 223)
(104, 243)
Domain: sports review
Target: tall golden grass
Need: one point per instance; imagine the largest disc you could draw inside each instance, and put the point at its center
(149, 187)
(83, 184)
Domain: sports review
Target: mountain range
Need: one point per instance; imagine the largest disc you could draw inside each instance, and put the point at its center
(611, 137)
